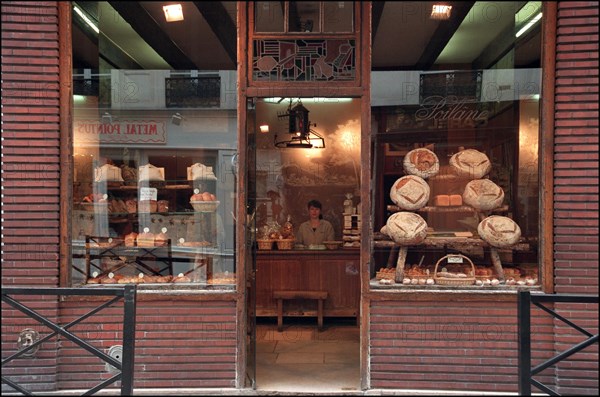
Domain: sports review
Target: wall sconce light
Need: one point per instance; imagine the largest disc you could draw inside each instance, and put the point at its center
(264, 128)
(173, 12)
(299, 127)
(441, 11)
(176, 119)
(106, 118)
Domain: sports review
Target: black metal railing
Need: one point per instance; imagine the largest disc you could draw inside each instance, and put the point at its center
(526, 372)
(123, 368)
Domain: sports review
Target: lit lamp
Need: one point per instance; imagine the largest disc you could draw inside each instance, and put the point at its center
(441, 11)
(299, 127)
(173, 12)
(264, 128)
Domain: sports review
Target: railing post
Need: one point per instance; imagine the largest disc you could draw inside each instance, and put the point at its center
(128, 359)
(524, 340)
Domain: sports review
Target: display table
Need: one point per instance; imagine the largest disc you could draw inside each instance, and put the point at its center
(333, 271)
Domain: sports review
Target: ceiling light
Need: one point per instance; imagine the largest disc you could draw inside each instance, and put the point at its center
(299, 128)
(264, 128)
(86, 19)
(529, 25)
(173, 12)
(441, 11)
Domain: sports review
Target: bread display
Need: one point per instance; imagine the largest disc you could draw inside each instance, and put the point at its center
(422, 163)
(147, 205)
(406, 228)
(410, 192)
(130, 239)
(483, 194)
(441, 200)
(456, 200)
(499, 231)
(470, 163)
(145, 239)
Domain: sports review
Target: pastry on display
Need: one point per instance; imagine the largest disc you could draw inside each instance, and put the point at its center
(483, 194)
(470, 163)
(422, 163)
(108, 173)
(406, 228)
(149, 172)
(499, 231)
(200, 172)
(130, 239)
(161, 239)
(410, 192)
(145, 239)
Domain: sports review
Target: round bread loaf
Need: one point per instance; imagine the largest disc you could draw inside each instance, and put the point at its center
(410, 192)
(421, 162)
(499, 231)
(470, 163)
(406, 228)
(483, 194)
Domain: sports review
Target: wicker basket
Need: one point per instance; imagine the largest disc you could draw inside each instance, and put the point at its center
(205, 206)
(285, 244)
(458, 281)
(265, 244)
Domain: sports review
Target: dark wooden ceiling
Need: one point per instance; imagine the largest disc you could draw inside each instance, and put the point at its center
(135, 35)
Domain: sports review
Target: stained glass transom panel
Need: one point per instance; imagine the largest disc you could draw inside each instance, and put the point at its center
(304, 60)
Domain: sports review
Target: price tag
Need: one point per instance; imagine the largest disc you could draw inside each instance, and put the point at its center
(164, 230)
(455, 259)
(196, 191)
(146, 229)
(148, 193)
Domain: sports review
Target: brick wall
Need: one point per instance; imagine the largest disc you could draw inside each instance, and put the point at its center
(451, 345)
(182, 343)
(30, 176)
(576, 187)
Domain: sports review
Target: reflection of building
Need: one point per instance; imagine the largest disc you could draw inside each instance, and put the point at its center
(458, 339)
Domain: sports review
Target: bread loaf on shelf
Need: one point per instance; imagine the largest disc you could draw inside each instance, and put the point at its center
(499, 231)
(441, 200)
(456, 200)
(470, 163)
(410, 192)
(406, 228)
(421, 162)
(483, 194)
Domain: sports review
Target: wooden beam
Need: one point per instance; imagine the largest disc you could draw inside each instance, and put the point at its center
(221, 24)
(153, 34)
(443, 34)
(376, 12)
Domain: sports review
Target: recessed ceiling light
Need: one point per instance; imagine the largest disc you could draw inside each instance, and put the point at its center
(441, 11)
(173, 12)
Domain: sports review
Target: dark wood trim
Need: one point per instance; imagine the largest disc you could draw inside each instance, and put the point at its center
(442, 296)
(143, 23)
(365, 191)
(221, 24)
(240, 209)
(66, 139)
(546, 147)
(442, 35)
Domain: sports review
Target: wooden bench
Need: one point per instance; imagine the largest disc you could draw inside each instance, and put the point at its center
(280, 296)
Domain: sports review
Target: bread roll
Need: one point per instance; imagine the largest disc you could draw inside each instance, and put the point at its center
(406, 228)
(441, 200)
(422, 163)
(499, 231)
(130, 239)
(483, 194)
(456, 200)
(410, 192)
(470, 163)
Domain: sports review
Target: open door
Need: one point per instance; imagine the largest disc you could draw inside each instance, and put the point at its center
(250, 259)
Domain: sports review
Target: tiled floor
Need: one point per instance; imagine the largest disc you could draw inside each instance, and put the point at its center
(302, 358)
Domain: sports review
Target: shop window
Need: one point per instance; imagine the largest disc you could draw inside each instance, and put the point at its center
(154, 138)
(456, 203)
(304, 17)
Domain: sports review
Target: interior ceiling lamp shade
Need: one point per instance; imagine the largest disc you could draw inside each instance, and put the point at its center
(441, 11)
(299, 128)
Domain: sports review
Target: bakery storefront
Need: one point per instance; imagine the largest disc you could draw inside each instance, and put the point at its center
(190, 164)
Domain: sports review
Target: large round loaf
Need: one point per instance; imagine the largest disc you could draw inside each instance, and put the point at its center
(470, 163)
(483, 194)
(406, 228)
(421, 162)
(499, 231)
(410, 192)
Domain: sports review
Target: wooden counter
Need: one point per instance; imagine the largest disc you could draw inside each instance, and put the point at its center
(334, 271)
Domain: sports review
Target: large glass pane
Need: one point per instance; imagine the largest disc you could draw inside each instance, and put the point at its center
(304, 16)
(456, 149)
(154, 132)
(338, 16)
(268, 16)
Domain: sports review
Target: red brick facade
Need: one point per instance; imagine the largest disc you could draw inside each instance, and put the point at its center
(441, 343)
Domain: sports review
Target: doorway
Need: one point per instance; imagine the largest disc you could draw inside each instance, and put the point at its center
(282, 179)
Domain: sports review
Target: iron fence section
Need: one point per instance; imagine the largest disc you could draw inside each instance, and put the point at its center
(124, 368)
